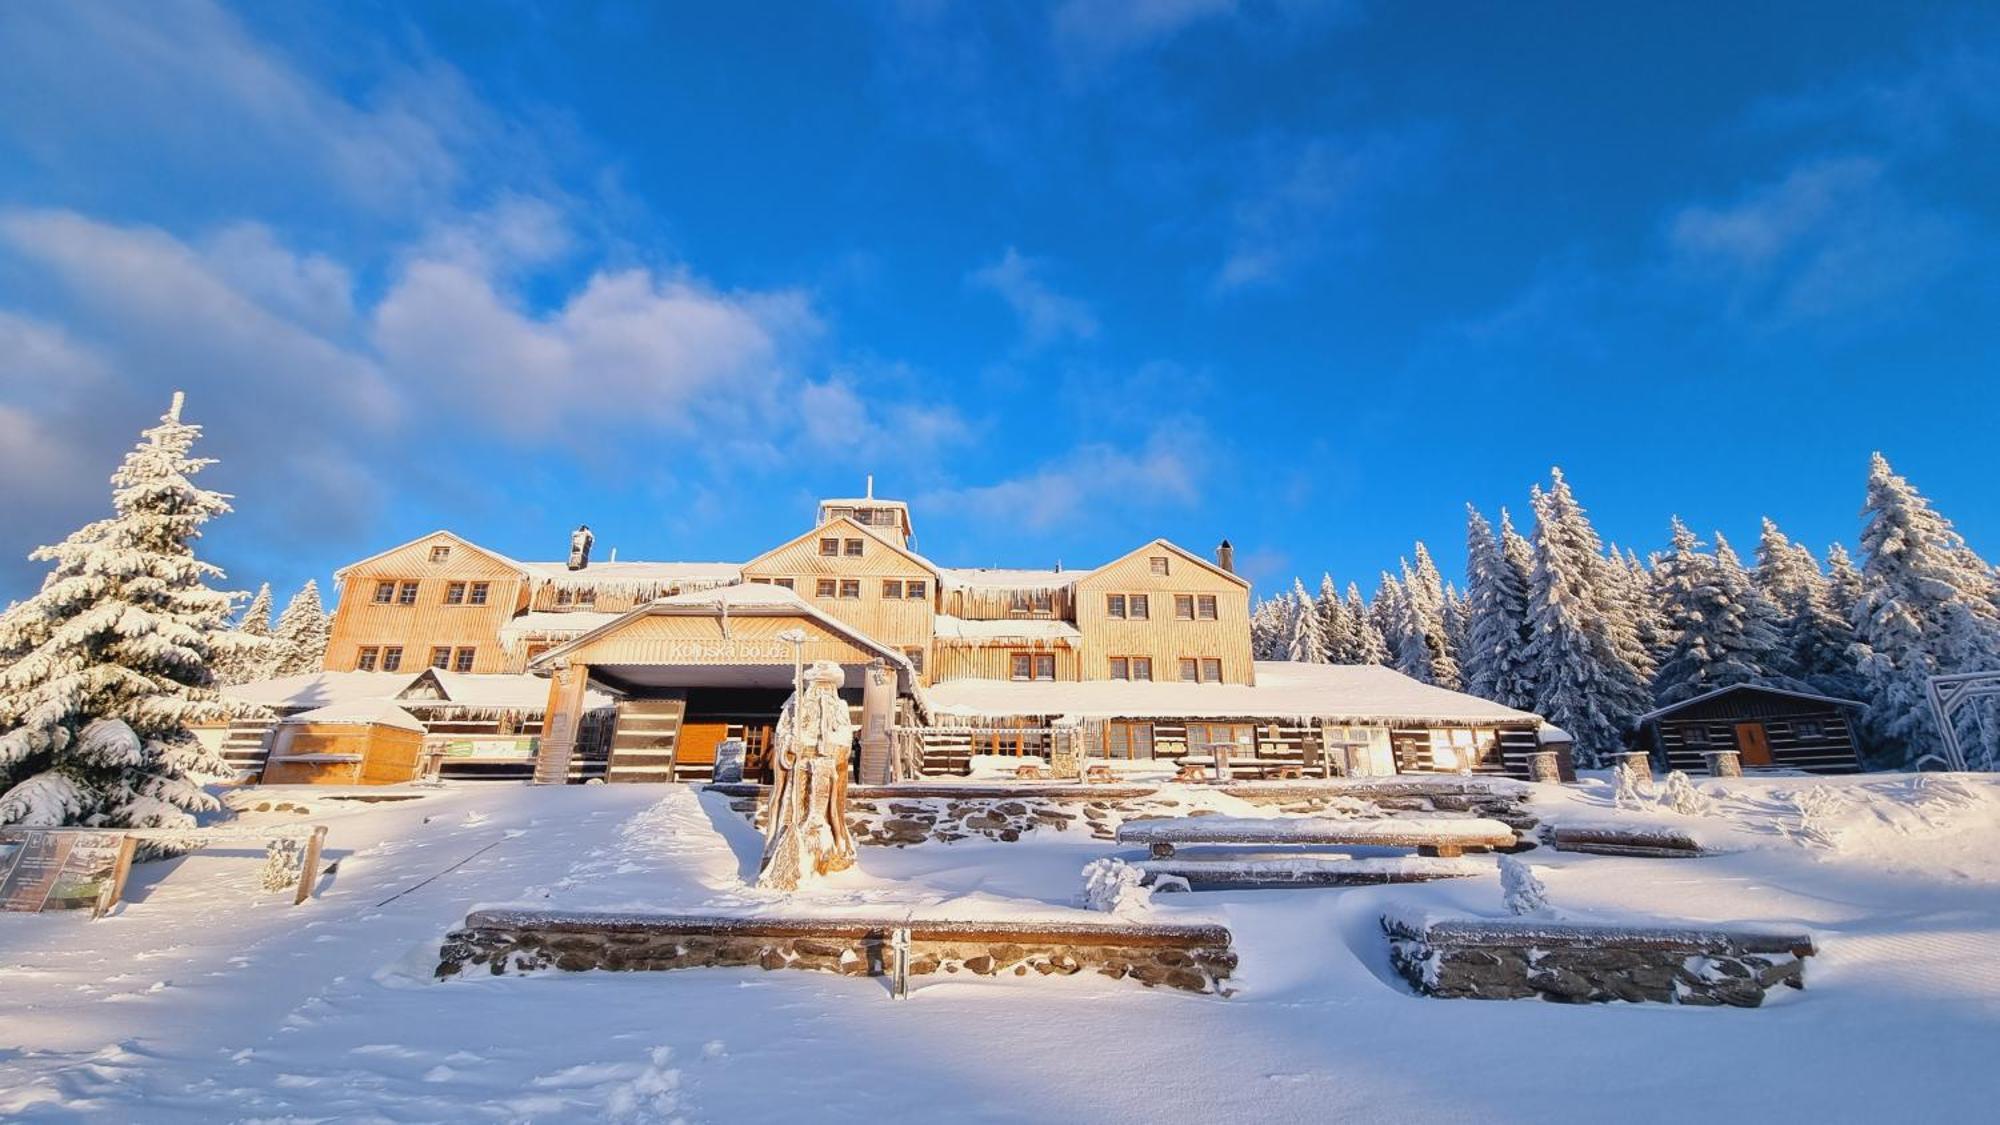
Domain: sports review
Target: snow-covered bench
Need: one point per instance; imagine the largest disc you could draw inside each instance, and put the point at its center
(1307, 871)
(1438, 836)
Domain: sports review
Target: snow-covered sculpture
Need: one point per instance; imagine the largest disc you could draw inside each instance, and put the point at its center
(1117, 887)
(1523, 892)
(806, 835)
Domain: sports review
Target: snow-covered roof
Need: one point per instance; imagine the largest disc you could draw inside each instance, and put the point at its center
(480, 691)
(747, 594)
(1354, 693)
(1708, 695)
(318, 689)
(1553, 735)
(1007, 578)
(634, 573)
(948, 628)
(552, 624)
(360, 712)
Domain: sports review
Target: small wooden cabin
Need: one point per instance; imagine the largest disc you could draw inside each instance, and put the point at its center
(1769, 728)
(368, 742)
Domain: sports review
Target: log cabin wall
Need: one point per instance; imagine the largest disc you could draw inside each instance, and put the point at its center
(1162, 636)
(1803, 735)
(428, 620)
(893, 618)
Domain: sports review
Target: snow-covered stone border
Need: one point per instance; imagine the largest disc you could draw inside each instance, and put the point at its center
(1657, 961)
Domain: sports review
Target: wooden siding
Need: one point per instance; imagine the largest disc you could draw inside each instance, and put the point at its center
(899, 623)
(358, 622)
(1161, 636)
(992, 662)
(677, 638)
(386, 755)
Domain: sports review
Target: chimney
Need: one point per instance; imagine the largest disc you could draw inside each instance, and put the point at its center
(871, 486)
(579, 546)
(1225, 556)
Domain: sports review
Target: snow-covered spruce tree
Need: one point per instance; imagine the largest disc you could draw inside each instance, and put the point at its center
(1632, 613)
(1457, 629)
(104, 668)
(1369, 647)
(1496, 636)
(1814, 636)
(1334, 630)
(301, 634)
(1305, 644)
(1925, 608)
(1424, 594)
(244, 654)
(1585, 682)
(1716, 636)
(1267, 629)
(1843, 582)
(1409, 649)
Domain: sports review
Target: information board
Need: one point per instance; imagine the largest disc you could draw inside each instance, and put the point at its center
(63, 870)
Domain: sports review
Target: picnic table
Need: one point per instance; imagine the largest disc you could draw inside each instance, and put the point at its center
(1431, 836)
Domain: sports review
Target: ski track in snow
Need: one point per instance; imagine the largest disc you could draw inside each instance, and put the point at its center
(205, 999)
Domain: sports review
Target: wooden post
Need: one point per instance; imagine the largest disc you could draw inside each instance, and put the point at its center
(560, 722)
(309, 870)
(1638, 762)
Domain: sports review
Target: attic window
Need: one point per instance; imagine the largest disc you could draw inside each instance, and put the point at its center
(1158, 563)
(829, 548)
(851, 548)
(441, 552)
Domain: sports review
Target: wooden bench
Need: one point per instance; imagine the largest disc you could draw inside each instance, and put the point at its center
(1438, 837)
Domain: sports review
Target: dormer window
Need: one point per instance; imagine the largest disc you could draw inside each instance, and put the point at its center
(441, 553)
(586, 597)
(565, 597)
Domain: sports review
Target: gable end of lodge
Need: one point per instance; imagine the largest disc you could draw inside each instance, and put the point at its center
(625, 670)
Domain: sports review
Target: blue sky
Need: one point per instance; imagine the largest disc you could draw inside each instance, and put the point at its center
(1065, 276)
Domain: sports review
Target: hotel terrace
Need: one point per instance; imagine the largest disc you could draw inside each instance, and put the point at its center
(643, 671)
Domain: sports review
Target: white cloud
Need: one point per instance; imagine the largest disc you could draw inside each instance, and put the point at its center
(839, 420)
(1046, 315)
(1834, 236)
(1306, 198)
(312, 289)
(1164, 472)
(180, 86)
(1093, 30)
(631, 347)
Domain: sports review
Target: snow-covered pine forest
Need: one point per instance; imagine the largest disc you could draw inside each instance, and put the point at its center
(1591, 636)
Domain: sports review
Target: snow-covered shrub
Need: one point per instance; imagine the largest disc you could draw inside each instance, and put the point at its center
(1112, 885)
(1682, 797)
(1814, 811)
(1631, 792)
(1523, 892)
(284, 859)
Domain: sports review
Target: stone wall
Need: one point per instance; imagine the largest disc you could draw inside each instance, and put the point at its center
(1518, 958)
(1190, 958)
(914, 814)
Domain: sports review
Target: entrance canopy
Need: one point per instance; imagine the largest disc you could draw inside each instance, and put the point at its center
(733, 637)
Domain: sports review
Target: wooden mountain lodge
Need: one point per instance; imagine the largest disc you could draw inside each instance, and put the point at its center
(646, 671)
(1767, 727)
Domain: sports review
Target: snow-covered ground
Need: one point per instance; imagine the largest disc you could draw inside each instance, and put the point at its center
(205, 999)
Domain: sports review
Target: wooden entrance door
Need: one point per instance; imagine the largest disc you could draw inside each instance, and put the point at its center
(698, 743)
(1752, 745)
